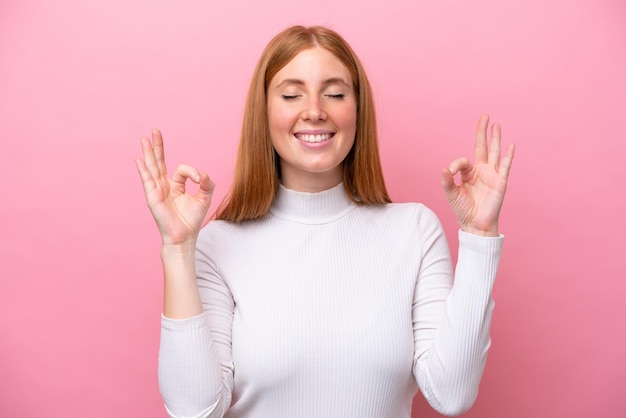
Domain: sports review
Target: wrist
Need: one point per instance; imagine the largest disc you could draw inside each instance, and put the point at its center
(492, 232)
(177, 249)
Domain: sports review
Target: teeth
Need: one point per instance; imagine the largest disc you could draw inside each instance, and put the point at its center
(313, 138)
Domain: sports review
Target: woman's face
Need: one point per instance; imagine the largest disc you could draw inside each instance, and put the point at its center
(311, 109)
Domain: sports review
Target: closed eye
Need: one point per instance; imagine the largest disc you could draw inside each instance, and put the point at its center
(336, 96)
(289, 96)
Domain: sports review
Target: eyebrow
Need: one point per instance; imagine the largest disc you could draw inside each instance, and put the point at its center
(332, 80)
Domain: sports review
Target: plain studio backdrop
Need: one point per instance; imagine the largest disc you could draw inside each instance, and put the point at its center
(81, 82)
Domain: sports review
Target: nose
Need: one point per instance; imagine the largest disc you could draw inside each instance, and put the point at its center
(314, 110)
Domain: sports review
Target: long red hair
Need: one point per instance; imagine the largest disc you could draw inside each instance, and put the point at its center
(257, 171)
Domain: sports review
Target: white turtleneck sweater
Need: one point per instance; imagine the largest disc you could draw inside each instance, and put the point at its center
(324, 308)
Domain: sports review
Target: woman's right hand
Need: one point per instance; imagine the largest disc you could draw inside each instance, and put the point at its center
(178, 214)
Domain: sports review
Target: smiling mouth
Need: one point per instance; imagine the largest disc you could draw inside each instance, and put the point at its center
(314, 138)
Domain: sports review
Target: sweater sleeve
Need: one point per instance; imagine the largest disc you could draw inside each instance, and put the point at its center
(195, 358)
(451, 317)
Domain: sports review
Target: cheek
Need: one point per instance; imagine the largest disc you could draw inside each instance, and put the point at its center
(347, 118)
(278, 119)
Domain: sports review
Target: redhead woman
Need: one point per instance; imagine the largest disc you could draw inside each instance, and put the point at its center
(310, 294)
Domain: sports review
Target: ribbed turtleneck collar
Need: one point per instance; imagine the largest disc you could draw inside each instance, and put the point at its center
(312, 208)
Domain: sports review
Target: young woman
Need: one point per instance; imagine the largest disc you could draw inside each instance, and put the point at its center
(311, 294)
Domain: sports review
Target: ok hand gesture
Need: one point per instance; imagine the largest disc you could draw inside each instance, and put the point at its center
(477, 200)
(178, 214)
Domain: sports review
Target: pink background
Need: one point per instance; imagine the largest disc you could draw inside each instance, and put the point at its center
(81, 82)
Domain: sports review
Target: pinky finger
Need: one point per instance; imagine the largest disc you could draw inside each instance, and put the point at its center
(146, 177)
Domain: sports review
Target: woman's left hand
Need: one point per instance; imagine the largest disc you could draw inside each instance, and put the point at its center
(477, 200)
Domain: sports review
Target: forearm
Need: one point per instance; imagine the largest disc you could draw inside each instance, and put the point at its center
(451, 372)
(180, 297)
(195, 374)
(193, 381)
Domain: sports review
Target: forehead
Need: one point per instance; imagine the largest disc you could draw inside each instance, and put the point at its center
(312, 66)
